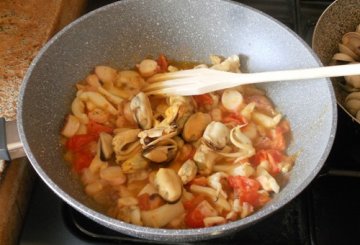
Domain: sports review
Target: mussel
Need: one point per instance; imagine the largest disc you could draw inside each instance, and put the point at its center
(163, 152)
(126, 143)
(141, 108)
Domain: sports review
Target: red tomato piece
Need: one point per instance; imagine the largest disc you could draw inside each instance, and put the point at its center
(78, 142)
(258, 157)
(197, 209)
(238, 119)
(202, 180)
(203, 99)
(191, 204)
(273, 156)
(95, 128)
(82, 160)
(163, 63)
(246, 188)
(278, 135)
(284, 126)
(191, 154)
(195, 219)
(144, 201)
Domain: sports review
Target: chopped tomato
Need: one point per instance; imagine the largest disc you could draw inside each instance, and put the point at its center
(274, 157)
(238, 119)
(203, 99)
(95, 128)
(278, 140)
(188, 153)
(263, 142)
(278, 135)
(191, 204)
(144, 201)
(81, 160)
(246, 188)
(202, 180)
(195, 219)
(78, 142)
(284, 126)
(259, 157)
(192, 153)
(163, 63)
(197, 209)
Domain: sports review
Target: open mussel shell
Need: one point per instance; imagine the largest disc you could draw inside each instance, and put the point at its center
(163, 152)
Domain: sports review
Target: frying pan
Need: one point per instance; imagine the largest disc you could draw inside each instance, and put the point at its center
(122, 34)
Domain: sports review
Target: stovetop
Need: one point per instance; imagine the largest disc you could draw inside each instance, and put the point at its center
(326, 212)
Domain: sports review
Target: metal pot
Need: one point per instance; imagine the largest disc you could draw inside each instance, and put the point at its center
(340, 17)
(125, 32)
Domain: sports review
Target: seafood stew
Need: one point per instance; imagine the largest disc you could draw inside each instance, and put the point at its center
(172, 161)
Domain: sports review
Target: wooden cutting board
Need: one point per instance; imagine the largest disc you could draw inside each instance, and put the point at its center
(25, 26)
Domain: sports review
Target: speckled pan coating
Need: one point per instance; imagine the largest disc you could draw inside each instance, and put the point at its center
(340, 17)
(122, 34)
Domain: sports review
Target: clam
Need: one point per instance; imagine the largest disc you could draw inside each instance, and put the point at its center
(164, 151)
(352, 41)
(205, 159)
(168, 184)
(155, 135)
(105, 149)
(142, 112)
(180, 108)
(195, 126)
(216, 135)
(125, 143)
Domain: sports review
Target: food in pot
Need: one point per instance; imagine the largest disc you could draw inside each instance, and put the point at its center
(349, 52)
(174, 161)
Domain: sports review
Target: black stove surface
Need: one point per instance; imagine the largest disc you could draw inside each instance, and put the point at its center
(326, 212)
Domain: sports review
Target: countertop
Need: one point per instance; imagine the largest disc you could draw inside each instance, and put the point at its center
(25, 26)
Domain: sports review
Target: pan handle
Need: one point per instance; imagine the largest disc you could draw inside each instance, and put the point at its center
(10, 145)
(4, 153)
